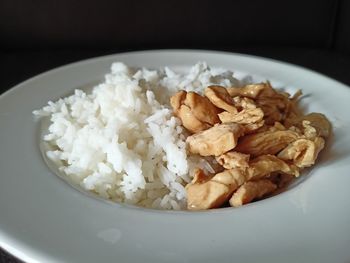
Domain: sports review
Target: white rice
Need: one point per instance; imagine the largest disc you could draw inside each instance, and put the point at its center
(122, 142)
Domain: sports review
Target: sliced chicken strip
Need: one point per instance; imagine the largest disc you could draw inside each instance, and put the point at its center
(216, 140)
(177, 100)
(276, 105)
(189, 121)
(197, 113)
(267, 142)
(231, 160)
(202, 108)
(253, 127)
(220, 98)
(267, 164)
(215, 190)
(252, 190)
(316, 120)
(246, 116)
(281, 180)
(303, 152)
(244, 103)
(251, 90)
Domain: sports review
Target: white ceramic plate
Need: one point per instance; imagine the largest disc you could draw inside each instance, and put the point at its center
(43, 219)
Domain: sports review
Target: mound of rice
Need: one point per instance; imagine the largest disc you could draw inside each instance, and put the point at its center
(122, 142)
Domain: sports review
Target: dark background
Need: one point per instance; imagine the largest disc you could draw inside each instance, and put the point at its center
(38, 35)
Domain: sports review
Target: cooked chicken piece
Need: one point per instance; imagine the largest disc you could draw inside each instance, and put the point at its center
(285, 180)
(206, 192)
(277, 126)
(309, 132)
(276, 105)
(252, 190)
(274, 109)
(246, 116)
(200, 177)
(267, 142)
(177, 100)
(189, 121)
(243, 103)
(220, 98)
(303, 152)
(216, 140)
(264, 165)
(271, 113)
(231, 160)
(250, 91)
(253, 127)
(292, 112)
(319, 121)
(197, 113)
(261, 127)
(268, 92)
(215, 191)
(281, 179)
(202, 108)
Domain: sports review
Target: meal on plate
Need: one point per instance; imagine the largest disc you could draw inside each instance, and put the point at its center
(196, 140)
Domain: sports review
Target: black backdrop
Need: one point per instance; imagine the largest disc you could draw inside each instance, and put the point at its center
(37, 35)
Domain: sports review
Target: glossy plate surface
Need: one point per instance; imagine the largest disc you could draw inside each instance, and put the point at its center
(43, 219)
